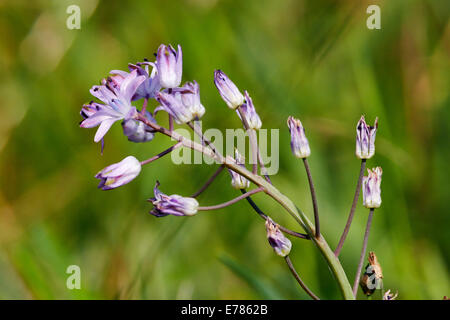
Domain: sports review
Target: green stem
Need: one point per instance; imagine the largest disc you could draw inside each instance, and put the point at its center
(285, 202)
(300, 217)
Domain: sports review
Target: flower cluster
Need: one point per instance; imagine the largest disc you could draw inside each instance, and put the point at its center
(118, 97)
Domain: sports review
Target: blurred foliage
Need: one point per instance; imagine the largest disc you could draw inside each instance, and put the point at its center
(312, 59)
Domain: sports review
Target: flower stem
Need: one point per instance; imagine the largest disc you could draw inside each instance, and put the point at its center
(144, 106)
(332, 261)
(170, 123)
(161, 154)
(338, 249)
(363, 251)
(265, 217)
(207, 183)
(199, 132)
(313, 196)
(233, 201)
(299, 280)
(253, 141)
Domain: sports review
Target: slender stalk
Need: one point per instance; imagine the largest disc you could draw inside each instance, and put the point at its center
(178, 137)
(170, 123)
(338, 249)
(208, 183)
(199, 132)
(254, 146)
(265, 217)
(263, 168)
(233, 201)
(332, 261)
(313, 196)
(363, 252)
(299, 280)
(161, 154)
(144, 106)
(253, 141)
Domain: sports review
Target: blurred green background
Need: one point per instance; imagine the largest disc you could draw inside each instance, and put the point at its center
(312, 59)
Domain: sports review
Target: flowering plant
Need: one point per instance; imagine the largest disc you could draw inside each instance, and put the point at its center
(120, 91)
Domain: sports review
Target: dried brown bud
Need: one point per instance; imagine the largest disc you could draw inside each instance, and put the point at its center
(373, 275)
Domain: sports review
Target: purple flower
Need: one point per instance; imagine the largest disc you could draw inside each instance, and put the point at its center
(238, 181)
(137, 131)
(174, 106)
(175, 205)
(277, 240)
(118, 174)
(371, 188)
(169, 64)
(365, 139)
(116, 94)
(228, 90)
(299, 143)
(249, 112)
(189, 95)
(151, 85)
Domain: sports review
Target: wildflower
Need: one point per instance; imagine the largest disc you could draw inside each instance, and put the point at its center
(249, 113)
(365, 139)
(116, 94)
(238, 181)
(277, 240)
(371, 188)
(390, 296)
(175, 205)
(189, 95)
(169, 64)
(175, 107)
(118, 174)
(228, 90)
(299, 143)
(151, 85)
(137, 131)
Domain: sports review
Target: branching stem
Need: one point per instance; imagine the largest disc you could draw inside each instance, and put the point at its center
(233, 201)
(286, 203)
(338, 249)
(265, 217)
(313, 196)
(299, 280)
(363, 252)
(208, 183)
(161, 154)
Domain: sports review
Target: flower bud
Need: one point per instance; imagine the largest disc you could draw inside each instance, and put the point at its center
(118, 174)
(371, 188)
(169, 64)
(390, 296)
(249, 113)
(373, 275)
(189, 95)
(299, 143)
(175, 107)
(238, 181)
(365, 139)
(277, 240)
(228, 90)
(172, 205)
(137, 131)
